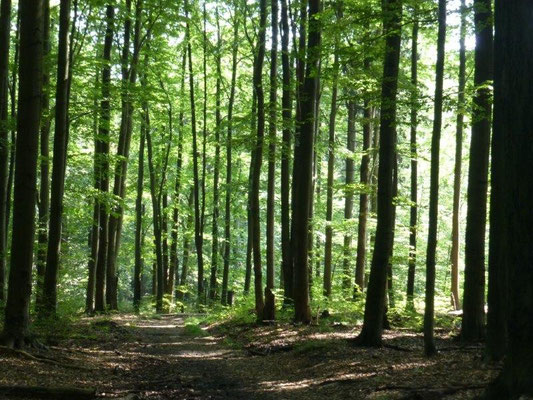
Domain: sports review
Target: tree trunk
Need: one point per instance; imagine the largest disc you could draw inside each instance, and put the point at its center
(58, 166)
(286, 104)
(375, 298)
(227, 217)
(5, 21)
(249, 243)
(44, 184)
(413, 212)
(27, 148)
(364, 180)
(513, 139)
(256, 166)
(302, 176)
(198, 233)
(270, 306)
(103, 175)
(216, 172)
(429, 320)
(348, 196)
(138, 269)
(456, 303)
(331, 170)
(473, 325)
(186, 249)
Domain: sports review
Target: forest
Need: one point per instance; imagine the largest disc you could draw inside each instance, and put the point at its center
(266, 199)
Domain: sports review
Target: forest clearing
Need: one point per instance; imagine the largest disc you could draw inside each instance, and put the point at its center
(266, 199)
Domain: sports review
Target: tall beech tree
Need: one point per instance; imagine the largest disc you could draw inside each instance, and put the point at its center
(375, 297)
(103, 162)
(17, 309)
(270, 307)
(512, 145)
(257, 161)
(349, 192)
(58, 166)
(5, 22)
(413, 209)
(456, 304)
(473, 324)
(303, 169)
(429, 318)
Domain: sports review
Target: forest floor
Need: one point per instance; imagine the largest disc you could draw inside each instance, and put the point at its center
(175, 357)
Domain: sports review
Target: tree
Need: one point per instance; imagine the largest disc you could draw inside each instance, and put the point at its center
(270, 306)
(257, 161)
(103, 161)
(58, 166)
(5, 21)
(16, 323)
(429, 320)
(473, 324)
(303, 166)
(375, 298)
(413, 214)
(286, 105)
(456, 304)
(512, 139)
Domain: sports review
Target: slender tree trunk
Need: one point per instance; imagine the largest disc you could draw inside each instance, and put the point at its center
(103, 157)
(186, 249)
(198, 235)
(473, 324)
(5, 21)
(216, 172)
(413, 214)
(286, 104)
(58, 166)
(258, 159)
(331, 167)
(364, 180)
(17, 309)
(177, 185)
(348, 196)
(249, 243)
(95, 234)
(429, 319)
(456, 304)
(303, 165)
(270, 306)
(138, 269)
(375, 299)
(44, 184)
(229, 135)
(164, 239)
(513, 134)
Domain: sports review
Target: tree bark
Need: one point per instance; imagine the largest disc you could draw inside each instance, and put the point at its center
(375, 298)
(229, 136)
(429, 318)
(473, 324)
(456, 303)
(5, 22)
(348, 196)
(139, 262)
(58, 166)
(331, 170)
(513, 139)
(44, 182)
(16, 321)
(413, 212)
(103, 174)
(286, 104)
(302, 175)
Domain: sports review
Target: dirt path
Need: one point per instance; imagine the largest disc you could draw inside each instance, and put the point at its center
(128, 357)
